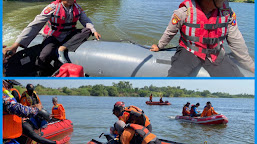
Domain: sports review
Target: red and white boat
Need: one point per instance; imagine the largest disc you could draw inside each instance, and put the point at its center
(215, 119)
(157, 103)
(57, 128)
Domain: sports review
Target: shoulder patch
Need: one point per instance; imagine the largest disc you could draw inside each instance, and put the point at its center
(234, 19)
(48, 10)
(175, 19)
(225, 12)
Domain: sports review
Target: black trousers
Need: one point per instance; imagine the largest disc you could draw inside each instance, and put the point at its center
(51, 44)
(28, 130)
(184, 62)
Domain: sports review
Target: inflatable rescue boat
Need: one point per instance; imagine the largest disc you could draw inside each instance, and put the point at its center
(106, 59)
(157, 103)
(215, 119)
(55, 128)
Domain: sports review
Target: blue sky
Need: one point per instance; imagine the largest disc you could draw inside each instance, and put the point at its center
(228, 86)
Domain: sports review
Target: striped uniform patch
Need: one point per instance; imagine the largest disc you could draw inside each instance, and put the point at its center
(175, 19)
(48, 10)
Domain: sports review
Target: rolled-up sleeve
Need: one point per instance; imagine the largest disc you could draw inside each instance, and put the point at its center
(86, 22)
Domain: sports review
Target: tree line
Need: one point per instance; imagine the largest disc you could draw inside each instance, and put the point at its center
(245, 1)
(125, 88)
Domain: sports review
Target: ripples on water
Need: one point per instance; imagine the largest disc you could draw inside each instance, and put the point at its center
(141, 21)
(93, 115)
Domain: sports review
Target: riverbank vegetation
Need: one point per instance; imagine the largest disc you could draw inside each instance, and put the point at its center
(124, 88)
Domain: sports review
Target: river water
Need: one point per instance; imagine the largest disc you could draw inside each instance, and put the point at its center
(93, 115)
(141, 21)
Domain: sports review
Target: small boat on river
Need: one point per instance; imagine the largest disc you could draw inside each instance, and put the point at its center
(215, 119)
(157, 103)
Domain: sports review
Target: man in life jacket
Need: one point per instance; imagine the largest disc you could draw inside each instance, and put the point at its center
(151, 98)
(61, 17)
(134, 134)
(30, 97)
(12, 115)
(194, 112)
(131, 114)
(58, 111)
(13, 90)
(208, 110)
(204, 26)
(161, 101)
(186, 110)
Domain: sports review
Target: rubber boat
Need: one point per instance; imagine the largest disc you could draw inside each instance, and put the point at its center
(106, 59)
(215, 119)
(56, 128)
(112, 140)
(157, 103)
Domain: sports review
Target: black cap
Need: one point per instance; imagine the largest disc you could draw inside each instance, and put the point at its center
(208, 102)
(197, 104)
(188, 102)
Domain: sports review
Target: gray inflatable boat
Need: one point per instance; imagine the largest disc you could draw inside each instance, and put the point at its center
(120, 59)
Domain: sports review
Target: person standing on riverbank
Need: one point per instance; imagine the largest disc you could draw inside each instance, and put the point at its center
(204, 25)
(61, 17)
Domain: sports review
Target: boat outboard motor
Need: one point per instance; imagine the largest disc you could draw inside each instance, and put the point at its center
(41, 119)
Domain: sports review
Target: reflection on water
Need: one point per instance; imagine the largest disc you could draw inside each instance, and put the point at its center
(141, 21)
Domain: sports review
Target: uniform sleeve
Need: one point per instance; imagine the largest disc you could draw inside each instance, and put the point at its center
(12, 107)
(127, 136)
(85, 21)
(31, 31)
(177, 20)
(237, 44)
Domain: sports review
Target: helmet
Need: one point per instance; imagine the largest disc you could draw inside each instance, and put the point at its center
(119, 126)
(119, 104)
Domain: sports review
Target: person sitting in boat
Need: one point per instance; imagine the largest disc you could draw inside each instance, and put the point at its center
(161, 101)
(60, 31)
(151, 98)
(32, 126)
(29, 97)
(131, 114)
(134, 134)
(208, 110)
(186, 110)
(13, 90)
(58, 111)
(204, 25)
(194, 112)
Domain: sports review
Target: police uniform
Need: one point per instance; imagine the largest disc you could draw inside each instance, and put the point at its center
(184, 61)
(70, 39)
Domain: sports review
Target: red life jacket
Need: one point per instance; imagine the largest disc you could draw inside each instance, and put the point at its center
(142, 134)
(203, 36)
(56, 25)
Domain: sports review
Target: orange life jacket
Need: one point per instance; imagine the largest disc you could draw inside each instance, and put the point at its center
(142, 134)
(26, 100)
(133, 114)
(186, 111)
(12, 124)
(208, 112)
(56, 25)
(58, 111)
(203, 36)
(15, 90)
